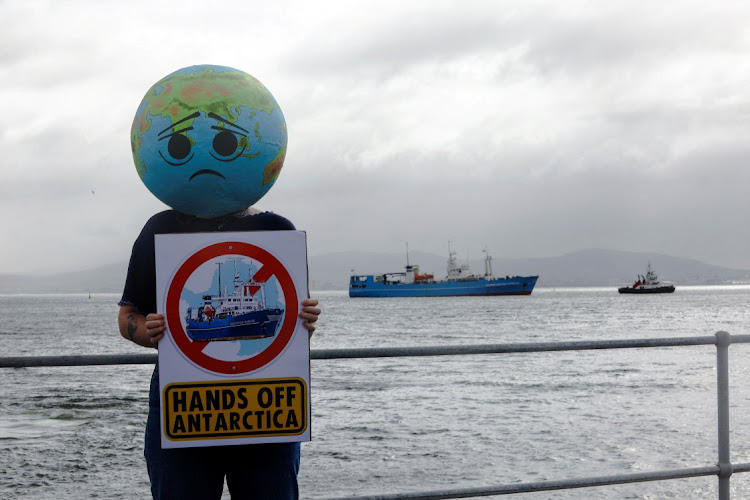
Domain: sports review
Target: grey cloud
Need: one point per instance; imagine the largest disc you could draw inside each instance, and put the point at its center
(620, 160)
(632, 37)
(390, 44)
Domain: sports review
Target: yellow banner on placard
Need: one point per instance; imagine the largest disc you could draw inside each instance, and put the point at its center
(234, 409)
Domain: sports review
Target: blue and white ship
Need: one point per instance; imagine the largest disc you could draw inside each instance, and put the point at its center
(240, 315)
(459, 282)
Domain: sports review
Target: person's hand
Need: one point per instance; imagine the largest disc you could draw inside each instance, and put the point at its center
(155, 327)
(309, 314)
(143, 330)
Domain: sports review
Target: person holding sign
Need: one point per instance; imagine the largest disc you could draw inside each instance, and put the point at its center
(209, 141)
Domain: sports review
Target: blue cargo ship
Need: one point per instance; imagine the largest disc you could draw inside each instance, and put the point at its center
(459, 282)
(240, 315)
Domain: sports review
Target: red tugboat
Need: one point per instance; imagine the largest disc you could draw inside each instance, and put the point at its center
(648, 284)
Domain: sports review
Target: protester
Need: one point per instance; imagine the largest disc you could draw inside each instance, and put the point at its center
(209, 141)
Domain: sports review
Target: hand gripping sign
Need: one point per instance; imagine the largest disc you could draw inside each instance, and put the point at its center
(234, 364)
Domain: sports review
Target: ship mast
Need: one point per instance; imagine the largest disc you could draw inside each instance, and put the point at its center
(487, 263)
(451, 259)
(236, 276)
(219, 264)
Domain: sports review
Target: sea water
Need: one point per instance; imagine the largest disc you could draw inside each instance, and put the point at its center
(396, 425)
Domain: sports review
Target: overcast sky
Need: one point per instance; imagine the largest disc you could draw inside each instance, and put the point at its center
(530, 128)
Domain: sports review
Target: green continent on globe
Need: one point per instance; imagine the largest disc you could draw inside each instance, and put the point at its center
(221, 92)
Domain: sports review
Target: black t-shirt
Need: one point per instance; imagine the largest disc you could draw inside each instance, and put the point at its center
(140, 285)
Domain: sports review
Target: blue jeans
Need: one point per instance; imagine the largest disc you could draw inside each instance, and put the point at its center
(253, 471)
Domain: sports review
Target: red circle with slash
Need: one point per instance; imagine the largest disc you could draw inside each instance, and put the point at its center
(194, 350)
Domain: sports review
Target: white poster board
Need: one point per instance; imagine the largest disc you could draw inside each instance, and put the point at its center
(234, 364)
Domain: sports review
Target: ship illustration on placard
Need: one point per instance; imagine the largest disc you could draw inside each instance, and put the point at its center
(239, 315)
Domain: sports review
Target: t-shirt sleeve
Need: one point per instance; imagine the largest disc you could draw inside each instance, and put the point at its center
(140, 283)
(284, 224)
(266, 221)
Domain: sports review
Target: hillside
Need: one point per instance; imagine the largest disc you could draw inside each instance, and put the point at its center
(332, 271)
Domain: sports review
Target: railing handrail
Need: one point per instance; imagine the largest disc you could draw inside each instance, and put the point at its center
(723, 469)
(564, 484)
(388, 352)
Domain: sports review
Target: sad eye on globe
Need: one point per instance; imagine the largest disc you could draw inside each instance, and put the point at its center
(225, 143)
(178, 146)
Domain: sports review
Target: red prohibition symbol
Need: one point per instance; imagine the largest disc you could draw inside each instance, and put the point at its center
(271, 267)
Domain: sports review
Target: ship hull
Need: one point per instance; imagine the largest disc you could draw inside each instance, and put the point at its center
(661, 289)
(253, 325)
(367, 286)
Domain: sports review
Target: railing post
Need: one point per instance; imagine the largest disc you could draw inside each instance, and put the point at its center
(723, 339)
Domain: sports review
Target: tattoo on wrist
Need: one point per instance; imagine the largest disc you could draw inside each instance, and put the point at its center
(132, 327)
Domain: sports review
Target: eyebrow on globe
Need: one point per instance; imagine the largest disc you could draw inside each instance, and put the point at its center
(217, 117)
(189, 117)
(175, 133)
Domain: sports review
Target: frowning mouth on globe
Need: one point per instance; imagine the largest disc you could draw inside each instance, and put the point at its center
(205, 171)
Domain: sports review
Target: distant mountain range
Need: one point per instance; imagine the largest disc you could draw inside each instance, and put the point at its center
(332, 271)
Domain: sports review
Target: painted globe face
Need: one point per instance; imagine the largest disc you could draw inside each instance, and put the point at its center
(208, 140)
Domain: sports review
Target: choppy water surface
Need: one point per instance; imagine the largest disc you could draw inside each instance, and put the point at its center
(410, 424)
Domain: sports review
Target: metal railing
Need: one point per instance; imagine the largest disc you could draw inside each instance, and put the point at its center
(723, 469)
